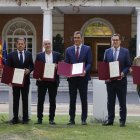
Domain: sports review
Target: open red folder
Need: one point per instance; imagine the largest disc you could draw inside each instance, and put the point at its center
(136, 74)
(104, 72)
(71, 70)
(39, 69)
(8, 75)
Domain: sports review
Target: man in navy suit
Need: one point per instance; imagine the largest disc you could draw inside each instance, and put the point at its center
(48, 56)
(76, 54)
(117, 87)
(14, 61)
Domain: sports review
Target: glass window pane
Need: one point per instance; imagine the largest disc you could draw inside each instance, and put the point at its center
(29, 40)
(98, 29)
(30, 32)
(30, 50)
(10, 40)
(20, 32)
(19, 29)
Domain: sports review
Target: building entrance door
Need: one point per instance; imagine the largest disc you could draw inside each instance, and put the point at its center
(100, 50)
(98, 46)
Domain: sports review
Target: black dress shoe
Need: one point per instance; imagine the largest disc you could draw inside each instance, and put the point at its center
(71, 123)
(84, 123)
(14, 121)
(122, 124)
(39, 122)
(25, 121)
(52, 122)
(107, 123)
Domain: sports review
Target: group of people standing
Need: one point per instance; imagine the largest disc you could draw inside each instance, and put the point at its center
(76, 53)
(83, 54)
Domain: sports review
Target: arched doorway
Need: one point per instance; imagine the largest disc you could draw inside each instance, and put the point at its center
(20, 27)
(97, 33)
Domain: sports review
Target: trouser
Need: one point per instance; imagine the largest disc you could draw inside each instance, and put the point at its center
(81, 84)
(52, 92)
(24, 91)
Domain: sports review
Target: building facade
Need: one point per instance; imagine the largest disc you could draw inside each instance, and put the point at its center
(36, 20)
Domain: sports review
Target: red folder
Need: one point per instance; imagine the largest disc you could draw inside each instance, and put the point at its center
(39, 71)
(65, 69)
(136, 74)
(104, 72)
(7, 76)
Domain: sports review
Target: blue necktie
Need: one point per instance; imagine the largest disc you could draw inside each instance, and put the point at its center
(21, 58)
(115, 54)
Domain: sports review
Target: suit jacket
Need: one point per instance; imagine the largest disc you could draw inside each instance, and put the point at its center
(56, 59)
(13, 61)
(85, 56)
(123, 58)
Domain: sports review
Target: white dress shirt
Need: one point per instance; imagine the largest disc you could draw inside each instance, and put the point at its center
(49, 58)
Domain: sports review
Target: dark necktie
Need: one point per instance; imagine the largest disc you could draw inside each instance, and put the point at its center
(77, 53)
(115, 54)
(21, 58)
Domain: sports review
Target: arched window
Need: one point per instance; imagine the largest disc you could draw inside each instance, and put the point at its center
(97, 27)
(16, 28)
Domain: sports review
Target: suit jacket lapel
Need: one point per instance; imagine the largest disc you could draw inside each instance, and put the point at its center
(73, 53)
(25, 55)
(43, 57)
(53, 57)
(81, 53)
(111, 55)
(120, 54)
(16, 56)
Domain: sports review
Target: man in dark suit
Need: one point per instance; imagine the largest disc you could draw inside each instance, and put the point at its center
(76, 54)
(117, 87)
(23, 60)
(48, 56)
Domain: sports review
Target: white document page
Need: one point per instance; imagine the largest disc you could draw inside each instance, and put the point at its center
(77, 68)
(49, 71)
(18, 76)
(114, 69)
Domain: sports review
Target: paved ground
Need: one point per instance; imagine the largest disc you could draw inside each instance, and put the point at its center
(133, 105)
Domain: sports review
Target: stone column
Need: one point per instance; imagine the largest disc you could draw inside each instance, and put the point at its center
(138, 32)
(47, 24)
(99, 100)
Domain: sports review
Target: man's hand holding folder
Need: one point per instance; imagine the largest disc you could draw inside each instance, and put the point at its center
(13, 76)
(109, 71)
(44, 71)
